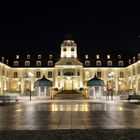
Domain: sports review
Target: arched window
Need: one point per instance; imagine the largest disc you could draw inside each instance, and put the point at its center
(27, 63)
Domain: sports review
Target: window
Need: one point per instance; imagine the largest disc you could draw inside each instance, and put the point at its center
(119, 56)
(98, 63)
(99, 74)
(27, 63)
(68, 63)
(121, 74)
(133, 71)
(129, 61)
(58, 72)
(15, 74)
(72, 49)
(120, 63)
(17, 56)
(78, 73)
(109, 63)
(134, 59)
(16, 63)
(87, 63)
(38, 63)
(138, 69)
(50, 56)
(2, 59)
(49, 74)
(38, 74)
(3, 71)
(50, 63)
(97, 56)
(129, 74)
(28, 56)
(7, 61)
(108, 56)
(87, 74)
(39, 56)
(64, 49)
(86, 56)
(139, 56)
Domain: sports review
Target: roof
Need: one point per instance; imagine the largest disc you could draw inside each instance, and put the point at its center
(43, 82)
(95, 82)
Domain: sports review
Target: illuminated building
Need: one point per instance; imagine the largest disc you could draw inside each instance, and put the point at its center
(69, 73)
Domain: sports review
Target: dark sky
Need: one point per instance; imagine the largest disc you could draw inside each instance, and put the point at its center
(96, 27)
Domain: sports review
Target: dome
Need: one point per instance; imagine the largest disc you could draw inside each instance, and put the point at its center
(43, 82)
(95, 82)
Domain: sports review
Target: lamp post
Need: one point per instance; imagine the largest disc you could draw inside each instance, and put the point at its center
(30, 74)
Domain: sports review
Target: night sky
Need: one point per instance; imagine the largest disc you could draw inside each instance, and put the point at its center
(96, 27)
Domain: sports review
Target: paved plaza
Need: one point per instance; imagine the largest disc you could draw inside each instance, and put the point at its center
(69, 114)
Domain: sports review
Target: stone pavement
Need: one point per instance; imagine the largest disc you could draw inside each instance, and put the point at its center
(69, 114)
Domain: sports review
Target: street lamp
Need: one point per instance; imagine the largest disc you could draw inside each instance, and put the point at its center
(30, 74)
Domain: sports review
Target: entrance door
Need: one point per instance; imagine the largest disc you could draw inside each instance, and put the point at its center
(68, 85)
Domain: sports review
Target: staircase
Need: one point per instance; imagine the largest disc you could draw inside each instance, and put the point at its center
(69, 95)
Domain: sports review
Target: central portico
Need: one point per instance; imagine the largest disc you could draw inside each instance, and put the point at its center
(68, 74)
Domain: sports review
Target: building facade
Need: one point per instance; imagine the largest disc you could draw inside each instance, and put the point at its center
(68, 73)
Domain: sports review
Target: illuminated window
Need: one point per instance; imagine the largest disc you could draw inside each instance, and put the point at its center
(99, 74)
(50, 63)
(2, 59)
(50, 56)
(138, 69)
(119, 56)
(129, 61)
(38, 74)
(39, 56)
(38, 63)
(139, 56)
(120, 63)
(86, 56)
(27, 63)
(16, 63)
(97, 56)
(17, 56)
(121, 74)
(87, 63)
(98, 63)
(134, 59)
(87, 74)
(109, 63)
(108, 56)
(15, 74)
(7, 61)
(49, 74)
(28, 56)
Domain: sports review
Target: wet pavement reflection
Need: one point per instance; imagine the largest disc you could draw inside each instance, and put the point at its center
(69, 115)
